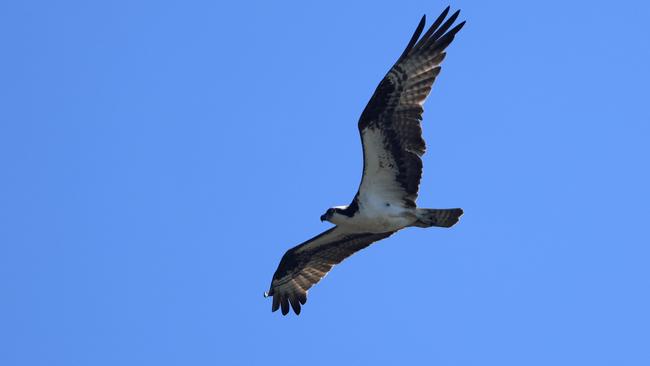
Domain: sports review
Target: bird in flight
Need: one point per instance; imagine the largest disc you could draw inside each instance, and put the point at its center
(392, 142)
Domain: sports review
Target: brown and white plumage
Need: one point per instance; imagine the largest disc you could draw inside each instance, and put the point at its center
(391, 120)
(392, 146)
(305, 265)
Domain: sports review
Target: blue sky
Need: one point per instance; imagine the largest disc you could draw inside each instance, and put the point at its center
(158, 158)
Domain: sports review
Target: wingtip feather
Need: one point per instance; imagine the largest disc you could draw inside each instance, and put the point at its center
(295, 304)
(284, 304)
(276, 304)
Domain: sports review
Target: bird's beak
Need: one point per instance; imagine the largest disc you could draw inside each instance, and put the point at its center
(323, 218)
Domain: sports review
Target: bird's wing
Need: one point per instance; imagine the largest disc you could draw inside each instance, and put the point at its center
(304, 265)
(390, 124)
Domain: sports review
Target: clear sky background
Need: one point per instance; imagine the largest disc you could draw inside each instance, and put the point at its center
(158, 158)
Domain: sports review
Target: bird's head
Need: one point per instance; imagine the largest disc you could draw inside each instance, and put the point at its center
(327, 215)
(332, 213)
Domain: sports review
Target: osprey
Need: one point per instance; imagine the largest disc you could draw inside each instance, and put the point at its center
(392, 147)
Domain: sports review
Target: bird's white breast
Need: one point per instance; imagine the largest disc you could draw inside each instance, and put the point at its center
(376, 216)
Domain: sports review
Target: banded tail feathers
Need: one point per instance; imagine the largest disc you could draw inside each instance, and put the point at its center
(440, 217)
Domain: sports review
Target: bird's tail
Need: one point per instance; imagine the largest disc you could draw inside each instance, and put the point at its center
(441, 217)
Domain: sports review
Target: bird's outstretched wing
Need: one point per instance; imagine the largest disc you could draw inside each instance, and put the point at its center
(390, 124)
(303, 266)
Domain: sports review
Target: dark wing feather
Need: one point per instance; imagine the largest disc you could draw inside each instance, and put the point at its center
(306, 264)
(391, 120)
